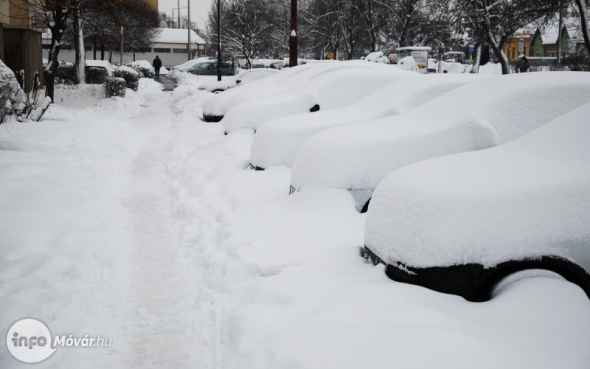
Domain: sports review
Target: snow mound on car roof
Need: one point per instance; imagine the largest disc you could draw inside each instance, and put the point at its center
(334, 88)
(478, 115)
(284, 81)
(526, 198)
(277, 141)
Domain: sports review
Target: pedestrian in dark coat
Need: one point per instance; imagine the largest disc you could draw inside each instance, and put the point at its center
(157, 65)
(524, 64)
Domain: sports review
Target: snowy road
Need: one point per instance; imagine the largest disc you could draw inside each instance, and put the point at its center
(132, 219)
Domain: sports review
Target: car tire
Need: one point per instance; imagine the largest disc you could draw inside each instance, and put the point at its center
(476, 283)
(217, 91)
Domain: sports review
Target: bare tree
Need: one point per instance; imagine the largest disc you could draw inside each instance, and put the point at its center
(582, 6)
(497, 20)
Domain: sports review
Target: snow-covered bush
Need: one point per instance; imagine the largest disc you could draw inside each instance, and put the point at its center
(96, 75)
(14, 102)
(377, 57)
(115, 86)
(130, 75)
(66, 73)
(12, 97)
(144, 68)
(408, 63)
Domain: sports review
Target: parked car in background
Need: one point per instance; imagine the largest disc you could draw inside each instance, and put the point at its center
(215, 108)
(358, 156)
(189, 64)
(244, 77)
(332, 89)
(460, 224)
(277, 141)
(454, 57)
(209, 68)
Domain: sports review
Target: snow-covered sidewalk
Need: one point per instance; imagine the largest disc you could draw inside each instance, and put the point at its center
(133, 220)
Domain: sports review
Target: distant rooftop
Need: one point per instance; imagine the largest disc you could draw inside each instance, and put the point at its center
(178, 36)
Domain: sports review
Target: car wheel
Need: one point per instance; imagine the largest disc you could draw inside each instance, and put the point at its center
(217, 91)
(476, 283)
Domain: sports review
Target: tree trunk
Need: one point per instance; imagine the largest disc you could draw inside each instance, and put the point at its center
(584, 19)
(79, 46)
(50, 71)
(477, 60)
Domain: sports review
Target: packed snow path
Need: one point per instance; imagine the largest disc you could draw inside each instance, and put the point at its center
(133, 220)
(162, 330)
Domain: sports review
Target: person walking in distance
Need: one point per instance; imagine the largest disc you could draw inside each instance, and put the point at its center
(157, 65)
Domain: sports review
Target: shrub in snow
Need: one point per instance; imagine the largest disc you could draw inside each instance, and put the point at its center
(96, 75)
(115, 86)
(377, 57)
(66, 73)
(408, 63)
(12, 97)
(130, 75)
(145, 69)
(13, 100)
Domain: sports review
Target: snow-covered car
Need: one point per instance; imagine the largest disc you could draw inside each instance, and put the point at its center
(462, 223)
(188, 64)
(334, 88)
(277, 141)
(240, 79)
(215, 108)
(476, 116)
(104, 64)
(209, 68)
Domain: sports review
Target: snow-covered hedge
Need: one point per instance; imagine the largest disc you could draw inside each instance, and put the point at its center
(96, 75)
(115, 86)
(66, 73)
(12, 97)
(145, 69)
(130, 75)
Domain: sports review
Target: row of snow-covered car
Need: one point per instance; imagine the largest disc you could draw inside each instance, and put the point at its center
(465, 179)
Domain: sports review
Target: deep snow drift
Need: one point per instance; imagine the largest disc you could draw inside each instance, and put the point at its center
(133, 220)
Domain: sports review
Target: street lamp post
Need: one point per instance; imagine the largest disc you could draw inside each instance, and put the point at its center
(189, 29)
(219, 40)
(293, 35)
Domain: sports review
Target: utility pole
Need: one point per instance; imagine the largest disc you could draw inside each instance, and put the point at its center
(559, 34)
(121, 57)
(189, 29)
(293, 36)
(219, 40)
(178, 15)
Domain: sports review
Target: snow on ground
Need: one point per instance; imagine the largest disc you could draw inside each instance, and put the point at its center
(132, 219)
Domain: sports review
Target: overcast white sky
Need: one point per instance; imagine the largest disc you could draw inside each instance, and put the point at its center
(199, 9)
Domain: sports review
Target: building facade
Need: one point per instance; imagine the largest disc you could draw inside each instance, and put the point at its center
(171, 45)
(20, 41)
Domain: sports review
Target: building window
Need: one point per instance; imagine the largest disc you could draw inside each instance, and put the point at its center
(551, 54)
(144, 50)
(180, 51)
(161, 50)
